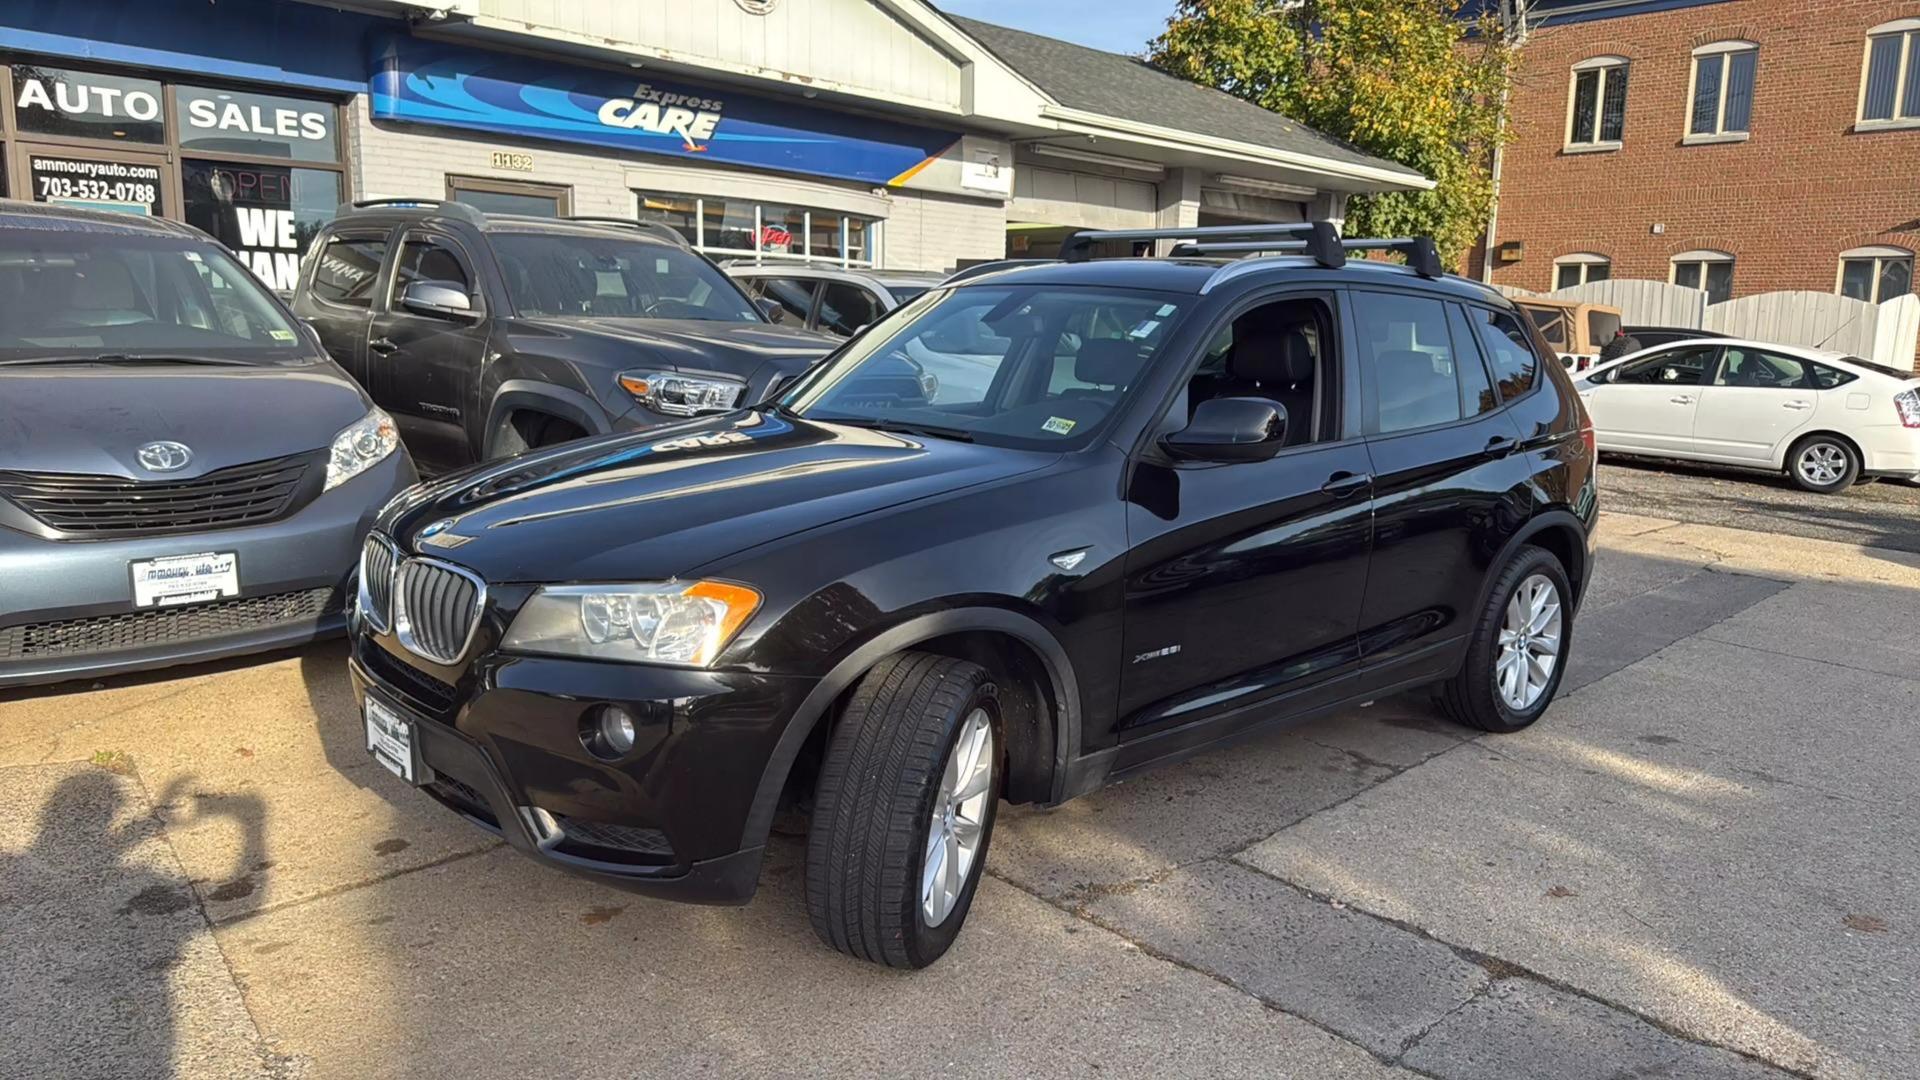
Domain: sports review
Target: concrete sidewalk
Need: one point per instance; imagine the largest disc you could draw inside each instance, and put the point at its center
(1701, 863)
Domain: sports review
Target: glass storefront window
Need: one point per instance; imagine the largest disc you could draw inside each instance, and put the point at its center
(264, 125)
(267, 214)
(86, 105)
(766, 232)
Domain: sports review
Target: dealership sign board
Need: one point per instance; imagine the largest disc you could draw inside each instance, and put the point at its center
(432, 83)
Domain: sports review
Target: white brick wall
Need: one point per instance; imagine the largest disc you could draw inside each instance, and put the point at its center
(923, 232)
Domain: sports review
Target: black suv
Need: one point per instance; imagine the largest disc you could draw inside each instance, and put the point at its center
(1023, 537)
(487, 334)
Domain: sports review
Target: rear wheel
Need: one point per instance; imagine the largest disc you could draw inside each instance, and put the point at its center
(1823, 464)
(1519, 650)
(904, 810)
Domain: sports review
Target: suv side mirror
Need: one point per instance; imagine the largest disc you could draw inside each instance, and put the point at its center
(1232, 429)
(437, 299)
(771, 309)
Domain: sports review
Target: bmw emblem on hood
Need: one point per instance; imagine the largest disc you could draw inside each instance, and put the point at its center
(164, 456)
(437, 527)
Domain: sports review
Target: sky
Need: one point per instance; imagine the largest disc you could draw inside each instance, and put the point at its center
(1122, 26)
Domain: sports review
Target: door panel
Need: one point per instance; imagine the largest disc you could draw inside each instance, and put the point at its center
(1757, 401)
(1649, 404)
(425, 368)
(338, 299)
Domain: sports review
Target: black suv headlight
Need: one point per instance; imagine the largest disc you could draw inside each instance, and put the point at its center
(679, 394)
(674, 622)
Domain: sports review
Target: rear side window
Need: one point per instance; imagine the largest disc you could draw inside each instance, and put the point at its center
(1509, 353)
(347, 268)
(1757, 368)
(1826, 378)
(1415, 368)
(846, 308)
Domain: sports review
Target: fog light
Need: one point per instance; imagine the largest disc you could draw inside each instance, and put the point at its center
(608, 731)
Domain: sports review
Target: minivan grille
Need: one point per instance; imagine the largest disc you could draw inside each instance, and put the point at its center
(436, 607)
(89, 506)
(164, 626)
(376, 582)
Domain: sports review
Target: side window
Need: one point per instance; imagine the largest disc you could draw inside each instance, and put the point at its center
(348, 266)
(1409, 353)
(1678, 367)
(1826, 378)
(1552, 323)
(1477, 394)
(422, 259)
(1752, 367)
(845, 308)
(796, 296)
(1509, 351)
(1282, 351)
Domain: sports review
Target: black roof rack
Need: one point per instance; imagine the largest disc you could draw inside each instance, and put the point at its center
(659, 229)
(440, 206)
(1318, 239)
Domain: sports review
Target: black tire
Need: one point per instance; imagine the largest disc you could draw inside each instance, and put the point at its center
(873, 808)
(1832, 446)
(1471, 696)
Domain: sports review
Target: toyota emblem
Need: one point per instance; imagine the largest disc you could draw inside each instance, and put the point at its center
(164, 456)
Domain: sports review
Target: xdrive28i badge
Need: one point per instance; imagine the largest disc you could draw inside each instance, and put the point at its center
(164, 456)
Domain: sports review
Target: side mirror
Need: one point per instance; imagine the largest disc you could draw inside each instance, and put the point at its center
(771, 309)
(437, 299)
(1232, 429)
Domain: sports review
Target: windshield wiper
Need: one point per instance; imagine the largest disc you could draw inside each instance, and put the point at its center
(127, 358)
(903, 427)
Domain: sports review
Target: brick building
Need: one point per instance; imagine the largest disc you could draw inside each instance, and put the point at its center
(1742, 146)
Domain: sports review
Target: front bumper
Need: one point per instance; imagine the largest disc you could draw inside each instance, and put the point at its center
(500, 740)
(68, 603)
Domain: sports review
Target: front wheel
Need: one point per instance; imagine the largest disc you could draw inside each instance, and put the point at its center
(1519, 649)
(904, 809)
(1823, 464)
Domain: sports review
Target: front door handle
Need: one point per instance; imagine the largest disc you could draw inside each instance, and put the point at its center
(382, 345)
(1797, 405)
(1681, 400)
(1342, 484)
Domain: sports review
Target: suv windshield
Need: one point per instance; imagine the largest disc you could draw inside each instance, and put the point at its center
(602, 277)
(1036, 367)
(74, 293)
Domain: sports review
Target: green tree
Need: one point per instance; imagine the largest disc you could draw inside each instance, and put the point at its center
(1413, 81)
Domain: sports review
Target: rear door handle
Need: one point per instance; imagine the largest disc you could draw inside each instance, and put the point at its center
(382, 345)
(1681, 400)
(1797, 405)
(1342, 484)
(1500, 446)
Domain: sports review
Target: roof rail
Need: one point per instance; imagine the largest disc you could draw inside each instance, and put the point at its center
(1319, 239)
(1421, 254)
(442, 206)
(659, 229)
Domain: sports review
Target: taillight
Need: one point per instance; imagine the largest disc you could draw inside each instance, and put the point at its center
(1587, 438)
(1907, 404)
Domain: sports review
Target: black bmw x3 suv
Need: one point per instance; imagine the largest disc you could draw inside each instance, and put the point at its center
(1022, 537)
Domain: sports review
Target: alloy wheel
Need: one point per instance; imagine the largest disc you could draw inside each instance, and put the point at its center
(958, 827)
(1822, 463)
(1529, 644)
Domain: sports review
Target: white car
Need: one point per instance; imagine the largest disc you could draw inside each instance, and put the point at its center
(1824, 418)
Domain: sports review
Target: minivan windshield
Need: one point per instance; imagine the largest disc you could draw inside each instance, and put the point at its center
(88, 293)
(1028, 367)
(552, 274)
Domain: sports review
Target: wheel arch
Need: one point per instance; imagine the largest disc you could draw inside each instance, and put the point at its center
(1792, 443)
(1037, 754)
(1560, 533)
(529, 395)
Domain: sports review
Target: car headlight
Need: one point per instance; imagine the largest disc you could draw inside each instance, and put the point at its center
(678, 394)
(360, 446)
(675, 622)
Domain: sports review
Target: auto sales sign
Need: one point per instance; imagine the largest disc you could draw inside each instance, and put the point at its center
(433, 83)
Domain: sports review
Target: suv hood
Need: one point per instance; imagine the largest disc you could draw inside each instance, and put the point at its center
(748, 350)
(92, 418)
(659, 504)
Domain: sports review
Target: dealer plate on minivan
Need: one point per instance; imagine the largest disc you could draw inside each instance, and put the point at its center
(185, 579)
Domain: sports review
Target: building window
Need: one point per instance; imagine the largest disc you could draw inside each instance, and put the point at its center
(1597, 109)
(766, 232)
(1876, 274)
(1580, 268)
(490, 196)
(1890, 83)
(1709, 270)
(1722, 89)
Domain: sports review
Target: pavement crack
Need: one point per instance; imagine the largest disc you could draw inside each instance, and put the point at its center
(1500, 968)
(351, 886)
(1809, 659)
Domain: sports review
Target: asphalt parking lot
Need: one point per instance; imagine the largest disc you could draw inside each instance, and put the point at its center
(1881, 513)
(1701, 863)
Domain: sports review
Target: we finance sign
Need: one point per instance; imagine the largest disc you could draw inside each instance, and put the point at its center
(450, 86)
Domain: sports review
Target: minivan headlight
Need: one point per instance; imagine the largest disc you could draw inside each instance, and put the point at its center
(677, 394)
(673, 622)
(360, 446)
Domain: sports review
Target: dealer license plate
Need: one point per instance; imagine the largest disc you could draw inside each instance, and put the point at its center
(390, 740)
(185, 579)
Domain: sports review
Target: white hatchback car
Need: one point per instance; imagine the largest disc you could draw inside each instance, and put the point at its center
(1825, 418)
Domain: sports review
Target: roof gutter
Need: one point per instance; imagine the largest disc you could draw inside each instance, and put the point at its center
(1372, 176)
